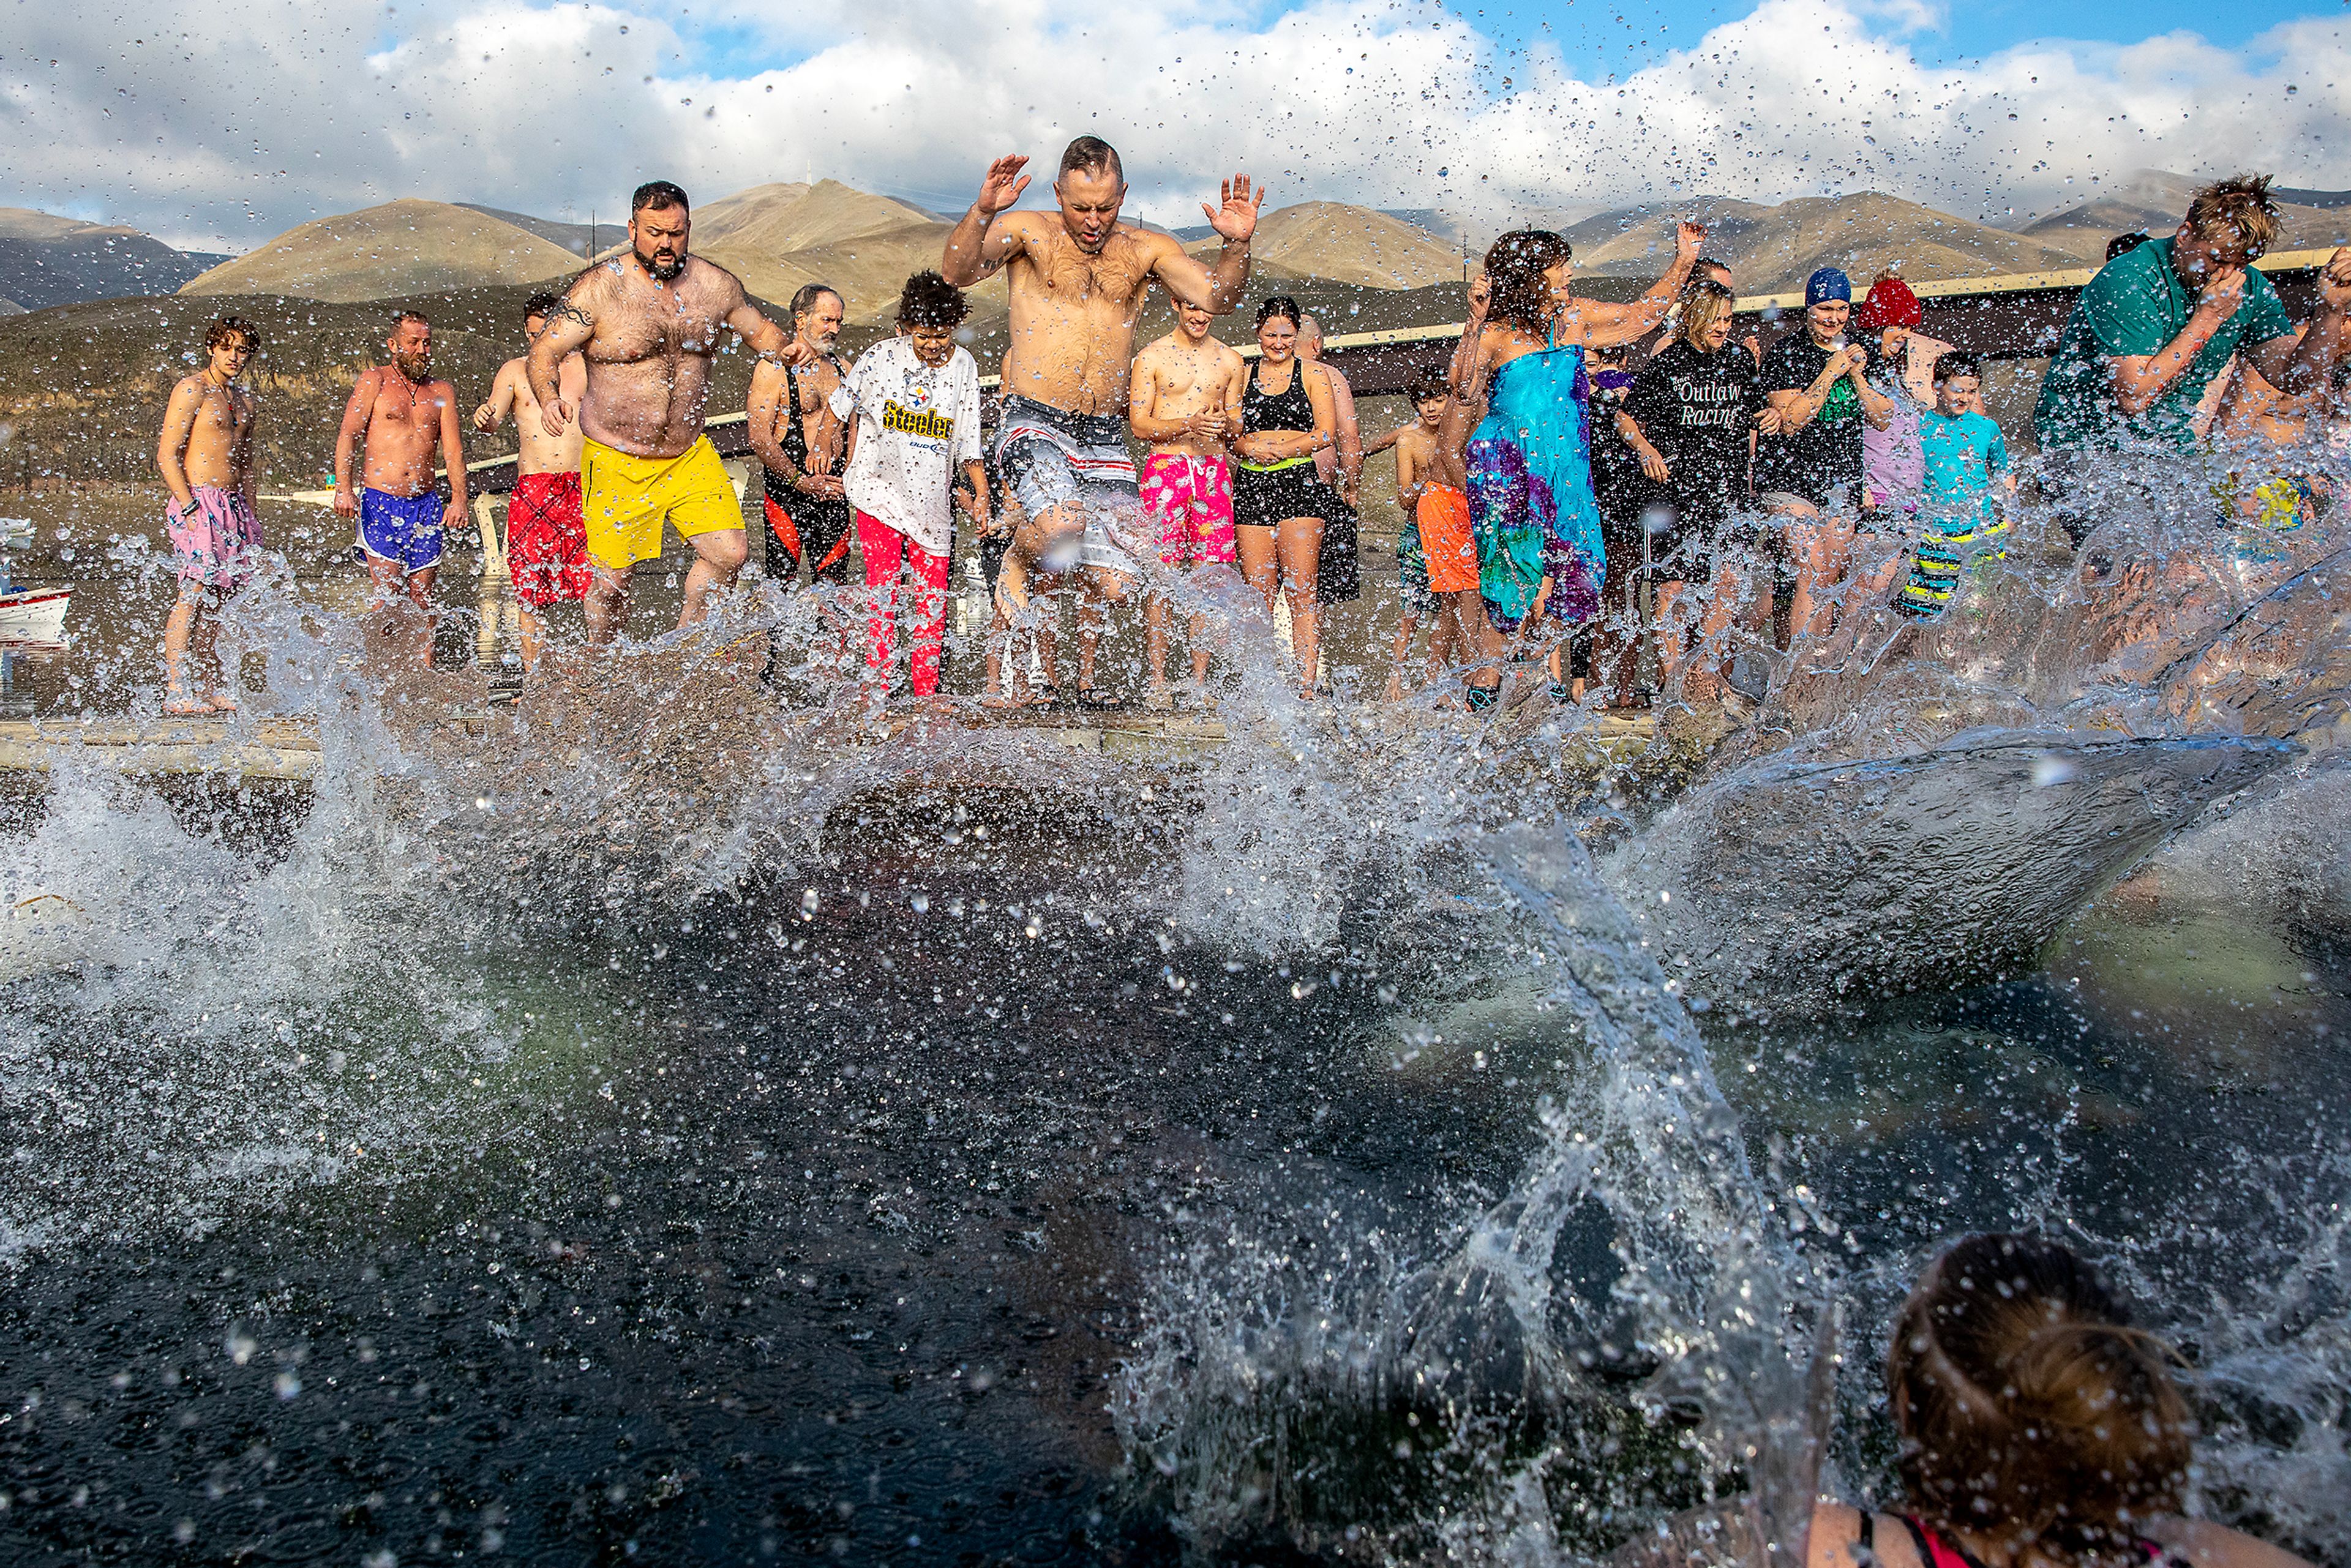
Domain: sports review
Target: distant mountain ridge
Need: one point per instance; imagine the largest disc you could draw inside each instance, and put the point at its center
(2155, 200)
(780, 236)
(581, 240)
(1771, 250)
(47, 260)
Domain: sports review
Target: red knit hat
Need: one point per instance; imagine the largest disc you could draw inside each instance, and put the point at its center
(1890, 303)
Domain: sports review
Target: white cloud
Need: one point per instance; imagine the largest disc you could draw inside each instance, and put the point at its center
(230, 122)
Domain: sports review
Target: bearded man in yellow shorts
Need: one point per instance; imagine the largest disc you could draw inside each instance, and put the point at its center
(648, 325)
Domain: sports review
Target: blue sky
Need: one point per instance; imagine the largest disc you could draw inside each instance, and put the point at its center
(558, 106)
(1958, 31)
(725, 40)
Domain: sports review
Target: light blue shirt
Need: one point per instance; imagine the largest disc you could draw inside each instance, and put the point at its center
(1963, 452)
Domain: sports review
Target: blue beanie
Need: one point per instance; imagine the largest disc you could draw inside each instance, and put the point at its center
(1828, 283)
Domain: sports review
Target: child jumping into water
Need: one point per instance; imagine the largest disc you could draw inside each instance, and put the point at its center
(1959, 516)
(916, 401)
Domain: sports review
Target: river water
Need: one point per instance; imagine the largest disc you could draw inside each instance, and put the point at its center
(669, 1127)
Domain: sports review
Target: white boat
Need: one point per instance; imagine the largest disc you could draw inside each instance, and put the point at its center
(33, 614)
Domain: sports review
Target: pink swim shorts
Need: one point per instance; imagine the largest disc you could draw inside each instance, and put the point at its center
(1193, 499)
(216, 542)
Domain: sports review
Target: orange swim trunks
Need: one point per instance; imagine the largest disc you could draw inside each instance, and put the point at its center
(1444, 517)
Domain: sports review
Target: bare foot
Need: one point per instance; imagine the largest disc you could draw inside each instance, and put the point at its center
(997, 697)
(220, 701)
(1394, 692)
(1012, 588)
(179, 705)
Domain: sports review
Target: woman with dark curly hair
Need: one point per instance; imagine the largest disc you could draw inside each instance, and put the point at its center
(1529, 459)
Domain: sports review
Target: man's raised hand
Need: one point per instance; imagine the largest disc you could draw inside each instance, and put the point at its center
(1003, 184)
(1689, 238)
(2335, 280)
(1236, 219)
(2222, 292)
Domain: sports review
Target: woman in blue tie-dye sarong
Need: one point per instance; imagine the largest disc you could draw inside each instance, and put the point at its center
(1529, 457)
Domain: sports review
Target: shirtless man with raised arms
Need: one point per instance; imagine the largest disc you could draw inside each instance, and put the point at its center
(648, 324)
(547, 544)
(1186, 399)
(407, 419)
(1078, 281)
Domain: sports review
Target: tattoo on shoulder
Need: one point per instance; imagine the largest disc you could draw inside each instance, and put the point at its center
(568, 309)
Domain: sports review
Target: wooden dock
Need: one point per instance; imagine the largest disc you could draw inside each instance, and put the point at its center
(279, 749)
(288, 748)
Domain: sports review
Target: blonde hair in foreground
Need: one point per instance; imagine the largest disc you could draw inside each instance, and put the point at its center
(1705, 303)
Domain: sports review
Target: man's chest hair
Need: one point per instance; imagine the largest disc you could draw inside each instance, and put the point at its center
(813, 385)
(1117, 274)
(681, 315)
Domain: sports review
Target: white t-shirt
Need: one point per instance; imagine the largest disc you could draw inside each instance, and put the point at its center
(916, 426)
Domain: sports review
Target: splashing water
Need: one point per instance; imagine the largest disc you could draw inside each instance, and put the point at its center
(921, 1132)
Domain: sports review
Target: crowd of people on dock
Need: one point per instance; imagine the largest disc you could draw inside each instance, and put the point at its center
(1596, 491)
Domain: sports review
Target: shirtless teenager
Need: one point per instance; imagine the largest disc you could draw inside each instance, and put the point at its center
(1078, 280)
(648, 324)
(802, 445)
(407, 422)
(206, 455)
(1185, 400)
(1436, 563)
(547, 541)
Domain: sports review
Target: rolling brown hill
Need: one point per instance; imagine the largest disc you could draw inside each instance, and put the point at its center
(1341, 243)
(406, 246)
(777, 219)
(867, 269)
(1772, 250)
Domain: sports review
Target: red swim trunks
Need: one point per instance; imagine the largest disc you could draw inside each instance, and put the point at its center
(1193, 499)
(547, 541)
(1444, 517)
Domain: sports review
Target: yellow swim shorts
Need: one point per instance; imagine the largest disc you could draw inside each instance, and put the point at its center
(625, 498)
